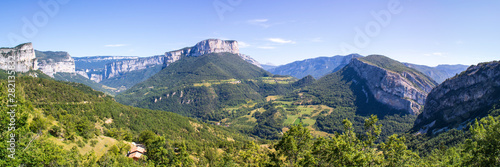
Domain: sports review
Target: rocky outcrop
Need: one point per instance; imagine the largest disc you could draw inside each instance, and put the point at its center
(96, 77)
(23, 55)
(53, 62)
(439, 73)
(117, 68)
(461, 98)
(214, 46)
(94, 59)
(401, 91)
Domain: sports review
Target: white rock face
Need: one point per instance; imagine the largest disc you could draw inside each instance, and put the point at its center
(250, 60)
(96, 77)
(462, 98)
(173, 56)
(214, 46)
(56, 62)
(82, 73)
(117, 68)
(393, 89)
(23, 55)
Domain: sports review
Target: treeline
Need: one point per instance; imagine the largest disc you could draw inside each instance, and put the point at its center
(298, 148)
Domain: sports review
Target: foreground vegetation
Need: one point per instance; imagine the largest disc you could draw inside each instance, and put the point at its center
(69, 124)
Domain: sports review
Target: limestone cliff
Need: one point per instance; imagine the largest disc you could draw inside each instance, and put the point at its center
(206, 47)
(250, 60)
(23, 56)
(461, 99)
(400, 88)
(53, 62)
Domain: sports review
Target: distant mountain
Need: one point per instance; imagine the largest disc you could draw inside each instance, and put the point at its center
(439, 73)
(268, 66)
(316, 67)
(461, 99)
(72, 112)
(98, 62)
(123, 72)
(369, 85)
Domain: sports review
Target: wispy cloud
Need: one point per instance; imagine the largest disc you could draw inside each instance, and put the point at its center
(280, 41)
(317, 39)
(441, 54)
(114, 45)
(266, 47)
(459, 42)
(260, 22)
(243, 44)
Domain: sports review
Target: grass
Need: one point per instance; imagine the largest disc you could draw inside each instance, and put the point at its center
(290, 119)
(216, 82)
(272, 98)
(103, 144)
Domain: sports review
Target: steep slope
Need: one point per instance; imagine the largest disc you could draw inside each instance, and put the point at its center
(121, 72)
(394, 84)
(439, 73)
(49, 112)
(126, 80)
(25, 57)
(461, 99)
(316, 67)
(98, 62)
(72, 77)
(198, 86)
(50, 62)
(369, 85)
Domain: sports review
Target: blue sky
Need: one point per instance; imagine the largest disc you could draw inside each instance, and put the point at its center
(422, 32)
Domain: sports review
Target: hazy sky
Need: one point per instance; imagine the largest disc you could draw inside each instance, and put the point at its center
(425, 32)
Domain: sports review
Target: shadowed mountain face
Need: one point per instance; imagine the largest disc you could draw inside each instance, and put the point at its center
(316, 67)
(461, 99)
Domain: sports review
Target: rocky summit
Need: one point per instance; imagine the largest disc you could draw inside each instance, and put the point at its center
(26, 58)
(461, 99)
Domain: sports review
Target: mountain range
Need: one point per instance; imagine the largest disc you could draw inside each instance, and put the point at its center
(184, 96)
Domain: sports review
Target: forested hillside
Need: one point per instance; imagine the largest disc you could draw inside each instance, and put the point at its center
(201, 86)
